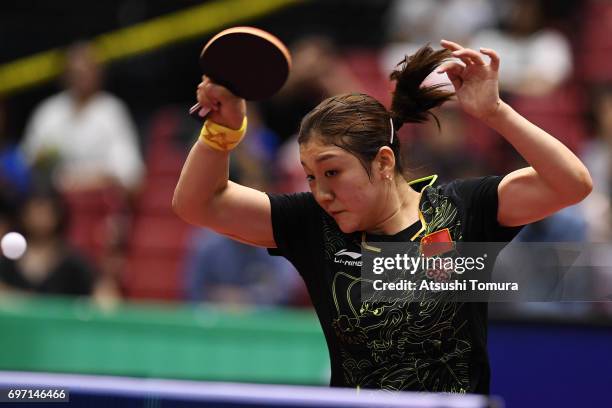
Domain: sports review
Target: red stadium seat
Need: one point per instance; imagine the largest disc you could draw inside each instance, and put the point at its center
(89, 213)
(364, 64)
(595, 42)
(561, 113)
(164, 156)
(156, 195)
(158, 237)
(153, 277)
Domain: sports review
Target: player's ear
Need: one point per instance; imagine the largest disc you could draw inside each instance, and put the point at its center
(384, 163)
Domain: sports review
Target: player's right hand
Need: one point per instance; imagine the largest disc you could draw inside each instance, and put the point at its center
(226, 109)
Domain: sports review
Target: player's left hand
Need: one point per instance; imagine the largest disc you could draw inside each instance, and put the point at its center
(475, 82)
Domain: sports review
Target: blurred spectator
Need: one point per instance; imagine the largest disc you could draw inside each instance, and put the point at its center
(291, 177)
(317, 72)
(85, 140)
(84, 134)
(422, 21)
(7, 221)
(14, 171)
(543, 271)
(567, 225)
(597, 156)
(412, 23)
(260, 141)
(50, 265)
(224, 271)
(8, 208)
(442, 150)
(536, 58)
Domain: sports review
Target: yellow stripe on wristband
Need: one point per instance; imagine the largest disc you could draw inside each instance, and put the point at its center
(220, 137)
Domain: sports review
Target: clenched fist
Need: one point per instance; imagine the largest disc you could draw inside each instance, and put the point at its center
(226, 109)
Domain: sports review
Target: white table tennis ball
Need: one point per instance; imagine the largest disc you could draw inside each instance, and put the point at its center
(13, 245)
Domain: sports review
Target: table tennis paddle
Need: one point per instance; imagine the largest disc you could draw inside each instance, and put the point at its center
(252, 63)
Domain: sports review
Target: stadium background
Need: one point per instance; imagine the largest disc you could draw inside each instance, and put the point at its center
(551, 357)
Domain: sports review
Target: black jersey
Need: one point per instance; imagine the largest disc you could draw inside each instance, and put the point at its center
(437, 347)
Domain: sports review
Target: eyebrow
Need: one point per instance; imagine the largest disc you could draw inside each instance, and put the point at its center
(323, 157)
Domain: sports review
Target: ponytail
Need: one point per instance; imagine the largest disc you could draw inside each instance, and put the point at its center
(411, 102)
(360, 124)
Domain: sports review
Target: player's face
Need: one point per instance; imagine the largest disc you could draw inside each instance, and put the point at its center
(341, 185)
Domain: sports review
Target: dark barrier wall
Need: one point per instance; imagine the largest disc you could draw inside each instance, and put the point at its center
(542, 364)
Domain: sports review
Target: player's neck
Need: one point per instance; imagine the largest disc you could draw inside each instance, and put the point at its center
(404, 211)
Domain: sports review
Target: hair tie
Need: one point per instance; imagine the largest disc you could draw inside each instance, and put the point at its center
(392, 131)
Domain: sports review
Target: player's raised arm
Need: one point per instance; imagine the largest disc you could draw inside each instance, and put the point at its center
(556, 177)
(204, 196)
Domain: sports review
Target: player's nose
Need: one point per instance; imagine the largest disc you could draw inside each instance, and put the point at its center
(325, 195)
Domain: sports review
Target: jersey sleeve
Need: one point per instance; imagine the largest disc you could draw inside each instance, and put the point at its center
(294, 225)
(479, 199)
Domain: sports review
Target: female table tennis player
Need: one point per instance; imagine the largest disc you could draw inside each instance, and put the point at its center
(350, 154)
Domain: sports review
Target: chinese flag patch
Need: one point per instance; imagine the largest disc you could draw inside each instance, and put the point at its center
(437, 243)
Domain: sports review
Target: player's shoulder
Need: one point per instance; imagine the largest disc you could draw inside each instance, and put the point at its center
(470, 183)
(466, 190)
(433, 187)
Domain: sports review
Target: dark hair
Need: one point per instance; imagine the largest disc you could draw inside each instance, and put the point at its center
(361, 125)
(46, 192)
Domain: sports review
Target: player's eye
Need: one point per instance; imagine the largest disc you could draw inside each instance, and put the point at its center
(309, 178)
(331, 173)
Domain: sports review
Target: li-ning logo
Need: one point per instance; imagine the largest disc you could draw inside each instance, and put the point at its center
(347, 258)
